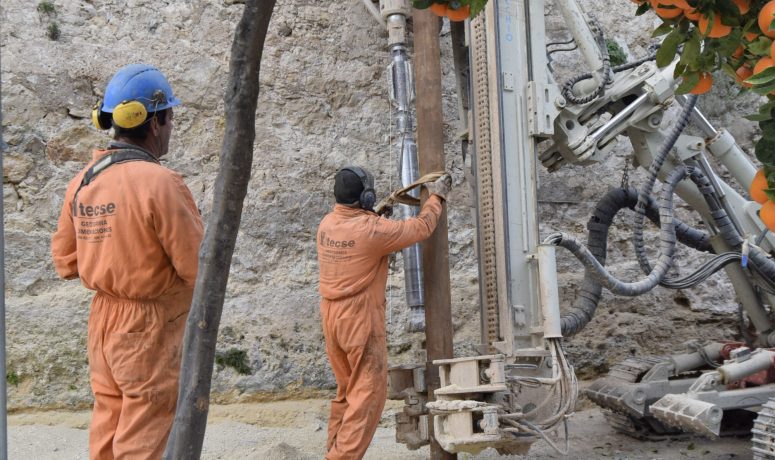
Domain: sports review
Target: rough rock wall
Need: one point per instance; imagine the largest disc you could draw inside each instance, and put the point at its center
(323, 103)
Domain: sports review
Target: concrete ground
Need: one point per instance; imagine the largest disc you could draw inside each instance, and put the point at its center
(291, 430)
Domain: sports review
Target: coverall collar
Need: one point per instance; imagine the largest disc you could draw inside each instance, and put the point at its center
(114, 145)
(348, 211)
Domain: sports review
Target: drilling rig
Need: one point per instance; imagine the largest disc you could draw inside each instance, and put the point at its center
(522, 387)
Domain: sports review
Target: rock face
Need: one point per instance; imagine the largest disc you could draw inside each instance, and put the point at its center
(323, 103)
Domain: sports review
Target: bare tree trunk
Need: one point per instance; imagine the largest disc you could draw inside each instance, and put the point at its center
(188, 431)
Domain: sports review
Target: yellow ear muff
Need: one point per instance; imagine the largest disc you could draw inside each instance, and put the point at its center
(98, 117)
(129, 114)
(95, 117)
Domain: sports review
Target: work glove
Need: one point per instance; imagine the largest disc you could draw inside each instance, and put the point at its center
(385, 211)
(440, 186)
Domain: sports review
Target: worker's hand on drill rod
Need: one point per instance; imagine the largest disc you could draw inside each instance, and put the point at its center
(440, 186)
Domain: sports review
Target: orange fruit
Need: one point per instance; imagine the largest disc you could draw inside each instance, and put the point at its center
(677, 3)
(715, 30)
(767, 215)
(766, 15)
(758, 185)
(743, 73)
(683, 4)
(738, 52)
(703, 86)
(667, 11)
(439, 9)
(460, 14)
(750, 36)
(743, 5)
(692, 14)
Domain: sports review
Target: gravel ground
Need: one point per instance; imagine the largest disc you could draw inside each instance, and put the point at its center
(291, 430)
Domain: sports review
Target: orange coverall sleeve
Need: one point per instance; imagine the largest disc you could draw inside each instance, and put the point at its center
(179, 227)
(63, 244)
(393, 235)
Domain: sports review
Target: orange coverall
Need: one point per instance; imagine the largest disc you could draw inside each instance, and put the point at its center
(353, 247)
(134, 238)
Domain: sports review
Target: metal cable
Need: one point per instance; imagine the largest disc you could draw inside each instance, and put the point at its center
(706, 270)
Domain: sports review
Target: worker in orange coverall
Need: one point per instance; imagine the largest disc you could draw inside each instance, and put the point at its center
(130, 229)
(353, 245)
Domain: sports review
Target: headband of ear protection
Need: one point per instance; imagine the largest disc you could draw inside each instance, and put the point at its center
(133, 92)
(368, 196)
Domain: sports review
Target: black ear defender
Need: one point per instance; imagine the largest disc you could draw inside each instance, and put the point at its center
(368, 196)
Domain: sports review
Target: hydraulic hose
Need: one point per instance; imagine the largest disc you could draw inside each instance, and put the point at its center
(645, 191)
(666, 247)
(583, 308)
(604, 71)
(568, 86)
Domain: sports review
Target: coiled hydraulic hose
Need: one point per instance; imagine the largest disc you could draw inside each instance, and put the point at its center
(761, 262)
(583, 308)
(666, 247)
(573, 322)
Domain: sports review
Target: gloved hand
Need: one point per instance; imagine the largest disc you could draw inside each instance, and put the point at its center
(440, 186)
(385, 211)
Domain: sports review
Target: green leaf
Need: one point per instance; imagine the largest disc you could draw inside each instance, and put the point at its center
(422, 4)
(765, 76)
(760, 46)
(758, 117)
(642, 8)
(770, 192)
(669, 47)
(680, 69)
(728, 10)
(751, 26)
(689, 81)
(764, 89)
(769, 172)
(768, 128)
(765, 150)
(729, 70)
(662, 29)
(690, 57)
(477, 6)
(767, 107)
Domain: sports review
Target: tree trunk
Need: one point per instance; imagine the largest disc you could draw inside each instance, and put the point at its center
(188, 430)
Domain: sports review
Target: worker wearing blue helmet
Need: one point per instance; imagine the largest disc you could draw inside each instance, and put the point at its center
(130, 230)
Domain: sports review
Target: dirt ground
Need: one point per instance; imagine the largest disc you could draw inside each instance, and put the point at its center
(291, 430)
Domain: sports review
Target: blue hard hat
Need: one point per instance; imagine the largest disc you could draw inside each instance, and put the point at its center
(139, 82)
